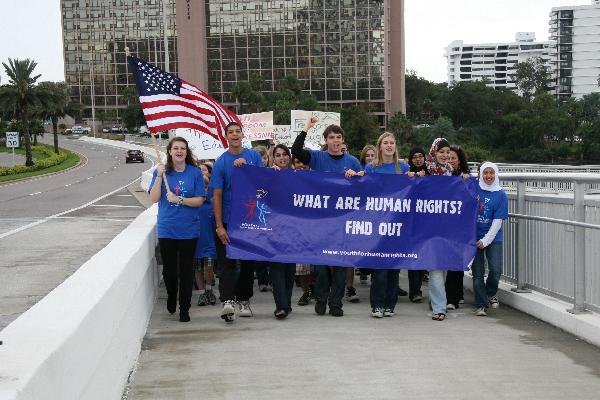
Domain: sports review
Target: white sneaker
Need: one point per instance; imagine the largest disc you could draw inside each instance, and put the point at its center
(388, 312)
(450, 307)
(377, 313)
(245, 310)
(480, 312)
(494, 303)
(228, 312)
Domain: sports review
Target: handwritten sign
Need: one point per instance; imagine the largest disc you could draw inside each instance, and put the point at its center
(257, 126)
(315, 137)
(204, 146)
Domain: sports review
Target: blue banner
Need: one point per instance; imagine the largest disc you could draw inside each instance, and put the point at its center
(375, 221)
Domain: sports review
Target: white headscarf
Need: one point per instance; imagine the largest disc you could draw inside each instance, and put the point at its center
(494, 187)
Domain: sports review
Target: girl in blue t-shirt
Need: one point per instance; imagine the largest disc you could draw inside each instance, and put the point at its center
(177, 224)
(384, 282)
(493, 208)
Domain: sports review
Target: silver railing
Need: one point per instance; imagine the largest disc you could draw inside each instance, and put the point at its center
(552, 242)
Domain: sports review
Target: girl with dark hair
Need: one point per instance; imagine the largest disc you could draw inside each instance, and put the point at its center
(416, 161)
(454, 279)
(282, 274)
(177, 225)
(436, 163)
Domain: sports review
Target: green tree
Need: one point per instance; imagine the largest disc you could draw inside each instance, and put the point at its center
(531, 77)
(21, 96)
(360, 127)
(401, 127)
(425, 100)
(59, 106)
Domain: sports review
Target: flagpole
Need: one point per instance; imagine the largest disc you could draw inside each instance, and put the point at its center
(154, 143)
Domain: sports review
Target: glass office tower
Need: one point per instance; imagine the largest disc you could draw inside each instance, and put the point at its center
(335, 47)
(95, 34)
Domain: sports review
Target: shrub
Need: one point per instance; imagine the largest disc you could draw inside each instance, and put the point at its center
(50, 161)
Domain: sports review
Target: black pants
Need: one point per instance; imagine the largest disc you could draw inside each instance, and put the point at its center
(177, 256)
(454, 287)
(415, 279)
(236, 277)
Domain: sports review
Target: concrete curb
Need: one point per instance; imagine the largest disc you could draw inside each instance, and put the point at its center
(548, 309)
(82, 339)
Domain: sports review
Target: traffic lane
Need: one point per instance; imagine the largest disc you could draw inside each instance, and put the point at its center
(40, 258)
(28, 202)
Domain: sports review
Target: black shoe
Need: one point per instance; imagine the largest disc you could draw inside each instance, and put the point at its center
(402, 292)
(336, 311)
(184, 316)
(320, 307)
(171, 304)
(351, 295)
(417, 298)
(304, 299)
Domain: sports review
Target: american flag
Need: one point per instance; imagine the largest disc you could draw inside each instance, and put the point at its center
(169, 103)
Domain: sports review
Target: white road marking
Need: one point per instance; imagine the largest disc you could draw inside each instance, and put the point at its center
(33, 194)
(68, 184)
(124, 195)
(90, 177)
(31, 225)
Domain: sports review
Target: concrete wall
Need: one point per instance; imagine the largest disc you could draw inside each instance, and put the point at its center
(82, 339)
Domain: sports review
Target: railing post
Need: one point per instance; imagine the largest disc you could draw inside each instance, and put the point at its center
(521, 248)
(579, 250)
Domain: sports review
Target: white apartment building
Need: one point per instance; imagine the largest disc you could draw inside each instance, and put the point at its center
(493, 63)
(576, 33)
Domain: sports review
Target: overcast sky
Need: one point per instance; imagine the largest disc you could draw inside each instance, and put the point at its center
(31, 29)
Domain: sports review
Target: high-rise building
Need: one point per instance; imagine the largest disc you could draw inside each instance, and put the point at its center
(95, 34)
(576, 32)
(342, 51)
(494, 63)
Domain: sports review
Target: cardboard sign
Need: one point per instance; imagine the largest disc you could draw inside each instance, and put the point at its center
(315, 137)
(258, 126)
(203, 146)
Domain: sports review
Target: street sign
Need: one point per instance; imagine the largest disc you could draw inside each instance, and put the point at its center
(12, 139)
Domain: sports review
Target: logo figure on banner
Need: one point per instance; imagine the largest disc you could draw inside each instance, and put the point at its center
(256, 209)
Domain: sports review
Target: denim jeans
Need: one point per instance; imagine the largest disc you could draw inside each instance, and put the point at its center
(330, 285)
(415, 279)
(384, 288)
(282, 276)
(437, 290)
(236, 278)
(484, 290)
(262, 272)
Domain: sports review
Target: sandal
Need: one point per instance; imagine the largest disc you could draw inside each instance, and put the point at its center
(438, 317)
(280, 314)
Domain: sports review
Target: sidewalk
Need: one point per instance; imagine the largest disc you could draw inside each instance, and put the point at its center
(507, 355)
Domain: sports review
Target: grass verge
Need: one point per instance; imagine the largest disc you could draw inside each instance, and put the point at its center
(71, 160)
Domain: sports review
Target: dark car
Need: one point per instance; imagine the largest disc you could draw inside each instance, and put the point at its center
(134, 155)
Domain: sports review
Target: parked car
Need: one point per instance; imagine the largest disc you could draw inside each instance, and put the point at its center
(105, 130)
(115, 129)
(134, 155)
(77, 129)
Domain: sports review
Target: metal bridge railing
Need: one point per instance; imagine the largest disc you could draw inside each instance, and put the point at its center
(552, 243)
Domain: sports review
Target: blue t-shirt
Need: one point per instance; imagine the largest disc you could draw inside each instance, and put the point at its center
(205, 247)
(492, 205)
(387, 168)
(174, 221)
(322, 161)
(221, 175)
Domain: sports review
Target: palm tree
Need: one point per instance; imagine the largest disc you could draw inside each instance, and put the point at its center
(59, 105)
(21, 96)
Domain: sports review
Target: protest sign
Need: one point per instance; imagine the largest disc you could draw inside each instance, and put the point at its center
(282, 134)
(202, 145)
(314, 138)
(376, 221)
(257, 126)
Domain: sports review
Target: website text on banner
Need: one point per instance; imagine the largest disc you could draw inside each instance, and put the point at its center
(377, 221)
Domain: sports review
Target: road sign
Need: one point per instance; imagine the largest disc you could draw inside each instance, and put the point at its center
(12, 139)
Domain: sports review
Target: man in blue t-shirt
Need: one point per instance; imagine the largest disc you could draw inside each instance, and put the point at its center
(330, 284)
(236, 278)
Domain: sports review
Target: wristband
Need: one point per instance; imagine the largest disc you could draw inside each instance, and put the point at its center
(180, 201)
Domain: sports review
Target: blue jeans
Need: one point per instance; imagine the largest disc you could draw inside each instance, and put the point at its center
(437, 290)
(282, 276)
(330, 285)
(485, 290)
(384, 288)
